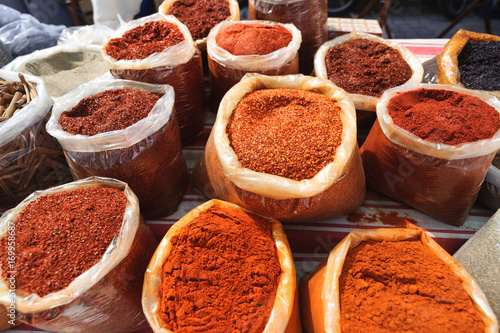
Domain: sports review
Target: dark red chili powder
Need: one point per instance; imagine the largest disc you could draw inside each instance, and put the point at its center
(200, 15)
(221, 275)
(60, 236)
(285, 132)
(108, 111)
(365, 67)
(142, 41)
(253, 39)
(444, 116)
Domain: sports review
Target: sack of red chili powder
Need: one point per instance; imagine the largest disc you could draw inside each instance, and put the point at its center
(222, 268)
(147, 154)
(106, 296)
(431, 148)
(309, 133)
(237, 48)
(374, 280)
(159, 49)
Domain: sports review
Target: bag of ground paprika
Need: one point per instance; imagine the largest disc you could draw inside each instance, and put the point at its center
(179, 65)
(438, 179)
(284, 317)
(106, 297)
(147, 155)
(336, 190)
(319, 292)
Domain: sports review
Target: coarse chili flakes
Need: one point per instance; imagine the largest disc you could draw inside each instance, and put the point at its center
(285, 132)
(142, 41)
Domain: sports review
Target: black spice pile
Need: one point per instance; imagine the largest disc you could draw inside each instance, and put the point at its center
(479, 65)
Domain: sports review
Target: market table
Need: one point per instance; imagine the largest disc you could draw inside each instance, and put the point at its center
(312, 241)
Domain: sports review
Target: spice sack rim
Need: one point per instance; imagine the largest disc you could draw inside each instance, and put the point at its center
(175, 55)
(254, 62)
(118, 249)
(234, 15)
(159, 116)
(284, 300)
(408, 140)
(32, 113)
(330, 297)
(277, 187)
(365, 102)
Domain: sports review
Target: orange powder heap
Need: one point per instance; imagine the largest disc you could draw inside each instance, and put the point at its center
(402, 287)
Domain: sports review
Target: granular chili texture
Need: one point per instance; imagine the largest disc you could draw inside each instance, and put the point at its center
(402, 287)
(107, 111)
(444, 116)
(253, 39)
(200, 15)
(221, 275)
(285, 132)
(479, 65)
(141, 42)
(365, 67)
(60, 236)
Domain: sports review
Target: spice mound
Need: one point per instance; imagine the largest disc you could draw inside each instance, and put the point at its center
(141, 42)
(365, 67)
(444, 116)
(221, 275)
(479, 65)
(253, 39)
(402, 287)
(200, 15)
(110, 110)
(285, 132)
(60, 236)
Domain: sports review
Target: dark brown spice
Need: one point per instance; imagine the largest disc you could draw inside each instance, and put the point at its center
(479, 65)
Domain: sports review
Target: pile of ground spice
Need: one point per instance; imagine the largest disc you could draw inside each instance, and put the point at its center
(60, 236)
(221, 275)
(444, 116)
(365, 67)
(200, 15)
(479, 65)
(402, 287)
(285, 132)
(142, 41)
(253, 39)
(110, 110)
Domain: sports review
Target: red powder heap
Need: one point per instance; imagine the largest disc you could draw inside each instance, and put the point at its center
(141, 42)
(444, 116)
(107, 111)
(60, 236)
(253, 39)
(221, 275)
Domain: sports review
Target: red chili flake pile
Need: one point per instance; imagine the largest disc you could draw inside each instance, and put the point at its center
(365, 67)
(107, 111)
(285, 132)
(60, 236)
(142, 41)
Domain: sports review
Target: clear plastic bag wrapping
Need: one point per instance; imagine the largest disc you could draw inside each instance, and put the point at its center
(338, 189)
(147, 155)
(319, 293)
(310, 17)
(105, 298)
(285, 315)
(438, 179)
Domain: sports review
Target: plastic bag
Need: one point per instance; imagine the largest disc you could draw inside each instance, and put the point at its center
(112, 12)
(105, 298)
(147, 155)
(7, 319)
(319, 293)
(310, 17)
(227, 69)
(438, 179)
(179, 66)
(88, 34)
(489, 194)
(285, 315)
(338, 189)
(30, 159)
